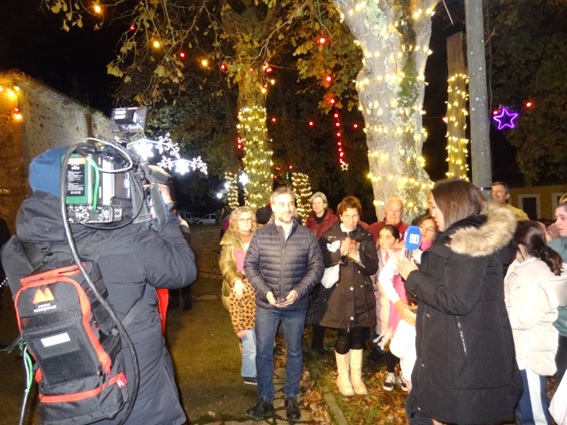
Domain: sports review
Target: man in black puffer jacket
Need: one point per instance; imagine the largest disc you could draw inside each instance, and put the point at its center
(283, 264)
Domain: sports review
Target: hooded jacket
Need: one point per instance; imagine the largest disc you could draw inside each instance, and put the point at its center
(466, 369)
(351, 301)
(274, 263)
(134, 262)
(531, 293)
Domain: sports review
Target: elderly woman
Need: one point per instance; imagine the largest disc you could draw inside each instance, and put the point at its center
(237, 294)
(349, 304)
(466, 371)
(320, 219)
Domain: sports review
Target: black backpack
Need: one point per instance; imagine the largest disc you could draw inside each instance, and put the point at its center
(85, 363)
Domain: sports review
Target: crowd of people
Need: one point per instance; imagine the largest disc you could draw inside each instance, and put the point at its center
(470, 324)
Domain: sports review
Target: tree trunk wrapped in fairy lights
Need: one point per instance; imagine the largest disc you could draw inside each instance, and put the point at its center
(394, 38)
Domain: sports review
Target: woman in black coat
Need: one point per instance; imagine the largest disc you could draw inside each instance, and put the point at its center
(349, 305)
(466, 371)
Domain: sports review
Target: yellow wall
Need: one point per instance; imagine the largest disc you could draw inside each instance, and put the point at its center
(546, 199)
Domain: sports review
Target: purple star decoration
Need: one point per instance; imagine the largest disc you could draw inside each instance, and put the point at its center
(505, 118)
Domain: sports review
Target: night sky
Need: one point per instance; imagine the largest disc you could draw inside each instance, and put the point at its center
(32, 41)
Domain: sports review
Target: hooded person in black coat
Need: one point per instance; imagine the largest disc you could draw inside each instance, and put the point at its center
(466, 371)
(135, 261)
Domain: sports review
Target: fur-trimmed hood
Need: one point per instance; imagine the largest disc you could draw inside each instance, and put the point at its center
(481, 235)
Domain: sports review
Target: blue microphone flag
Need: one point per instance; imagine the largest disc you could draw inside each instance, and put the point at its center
(412, 238)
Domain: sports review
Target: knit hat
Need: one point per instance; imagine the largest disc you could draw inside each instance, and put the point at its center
(45, 169)
(263, 214)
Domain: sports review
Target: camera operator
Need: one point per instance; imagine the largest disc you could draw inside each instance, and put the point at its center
(134, 263)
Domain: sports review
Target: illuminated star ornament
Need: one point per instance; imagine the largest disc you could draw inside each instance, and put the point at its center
(505, 118)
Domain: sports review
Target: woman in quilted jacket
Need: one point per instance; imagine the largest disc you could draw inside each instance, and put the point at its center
(238, 296)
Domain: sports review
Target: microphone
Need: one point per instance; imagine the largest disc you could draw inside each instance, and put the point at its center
(412, 240)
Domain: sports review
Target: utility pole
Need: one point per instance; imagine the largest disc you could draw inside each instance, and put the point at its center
(478, 102)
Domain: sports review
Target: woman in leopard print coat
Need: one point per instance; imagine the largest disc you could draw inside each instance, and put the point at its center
(238, 296)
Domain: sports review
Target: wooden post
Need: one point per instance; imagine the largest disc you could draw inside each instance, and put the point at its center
(478, 99)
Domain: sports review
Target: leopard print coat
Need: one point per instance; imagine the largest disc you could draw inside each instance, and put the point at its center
(242, 311)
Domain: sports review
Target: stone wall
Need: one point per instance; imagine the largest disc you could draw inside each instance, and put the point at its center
(48, 119)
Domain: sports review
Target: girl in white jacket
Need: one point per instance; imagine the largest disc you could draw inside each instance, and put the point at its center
(531, 292)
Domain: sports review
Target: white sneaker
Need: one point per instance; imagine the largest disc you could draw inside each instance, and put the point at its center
(389, 382)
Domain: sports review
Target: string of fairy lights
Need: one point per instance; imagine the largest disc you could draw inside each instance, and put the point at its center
(393, 118)
(302, 190)
(257, 159)
(231, 187)
(252, 132)
(253, 137)
(456, 120)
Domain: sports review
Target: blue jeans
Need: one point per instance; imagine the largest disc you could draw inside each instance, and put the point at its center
(249, 354)
(532, 407)
(293, 323)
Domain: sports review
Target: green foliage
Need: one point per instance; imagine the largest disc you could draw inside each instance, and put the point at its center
(338, 57)
(202, 124)
(313, 150)
(244, 37)
(527, 49)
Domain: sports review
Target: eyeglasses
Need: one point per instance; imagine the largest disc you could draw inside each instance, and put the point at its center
(244, 220)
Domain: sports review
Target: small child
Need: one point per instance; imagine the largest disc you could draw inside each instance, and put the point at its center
(393, 300)
(402, 344)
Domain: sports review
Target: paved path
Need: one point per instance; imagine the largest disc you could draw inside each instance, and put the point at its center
(279, 415)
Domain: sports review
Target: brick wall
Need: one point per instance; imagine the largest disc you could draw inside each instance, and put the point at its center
(48, 119)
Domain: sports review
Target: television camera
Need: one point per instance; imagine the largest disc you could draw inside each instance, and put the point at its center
(103, 179)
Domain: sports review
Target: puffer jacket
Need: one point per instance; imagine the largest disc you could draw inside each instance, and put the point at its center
(276, 264)
(351, 301)
(466, 369)
(531, 300)
(134, 262)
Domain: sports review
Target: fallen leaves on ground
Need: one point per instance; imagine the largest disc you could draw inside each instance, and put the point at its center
(379, 407)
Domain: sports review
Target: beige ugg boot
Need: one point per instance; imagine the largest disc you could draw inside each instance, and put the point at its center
(343, 379)
(356, 372)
